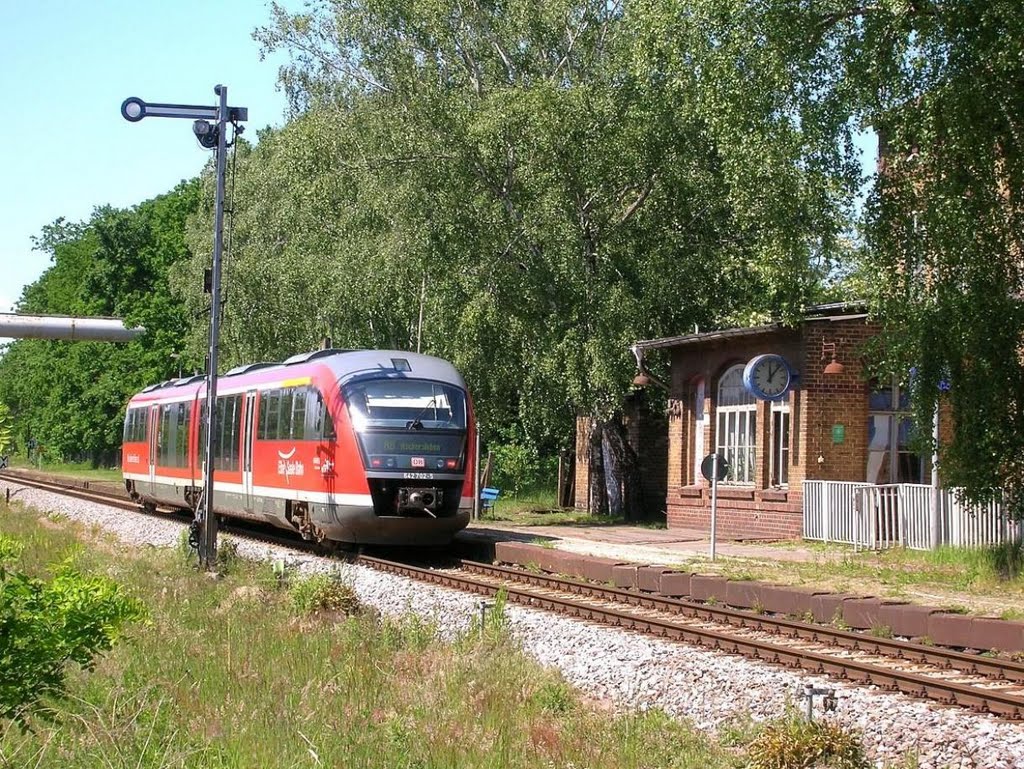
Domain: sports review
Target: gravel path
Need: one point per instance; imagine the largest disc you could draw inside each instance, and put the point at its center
(708, 688)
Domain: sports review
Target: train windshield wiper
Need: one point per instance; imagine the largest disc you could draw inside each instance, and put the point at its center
(416, 424)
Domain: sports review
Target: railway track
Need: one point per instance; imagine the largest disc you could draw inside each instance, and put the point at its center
(982, 684)
(947, 676)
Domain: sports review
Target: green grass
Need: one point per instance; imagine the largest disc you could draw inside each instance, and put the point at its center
(81, 470)
(993, 578)
(237, 673)
(537, 508)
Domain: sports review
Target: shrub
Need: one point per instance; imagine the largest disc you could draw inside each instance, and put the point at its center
(795, 743)
(516, 467)
(6, 429)
(228, 558)
(324, 592)
(555, 696)
(494, 624)
(46, 625)
(186, 551)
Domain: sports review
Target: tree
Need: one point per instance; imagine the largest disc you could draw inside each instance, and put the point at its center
(556, 195)
(940, 82)
(69, 397)
(6, 433)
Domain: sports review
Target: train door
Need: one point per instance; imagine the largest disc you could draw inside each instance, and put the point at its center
(154, 437)
(247, 438)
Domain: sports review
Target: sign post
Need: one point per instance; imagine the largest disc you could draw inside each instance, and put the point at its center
(211, 136)
(714, 468)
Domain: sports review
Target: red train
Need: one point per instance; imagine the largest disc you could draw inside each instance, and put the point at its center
(352, 446)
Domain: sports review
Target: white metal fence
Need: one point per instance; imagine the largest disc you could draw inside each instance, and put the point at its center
(899, 514)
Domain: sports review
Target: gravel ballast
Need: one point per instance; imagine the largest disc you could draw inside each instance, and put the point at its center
(710, 689)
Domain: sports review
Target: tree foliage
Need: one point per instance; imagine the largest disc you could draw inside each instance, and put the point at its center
(69, 397)
(526, 189)
(6, 430)
(940, 84)
(523, 175)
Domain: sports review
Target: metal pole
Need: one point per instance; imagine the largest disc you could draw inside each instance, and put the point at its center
(935, 533)
(207, 517)
(476, 477)
(714, 501)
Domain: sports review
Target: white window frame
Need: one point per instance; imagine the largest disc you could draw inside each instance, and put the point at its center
(736, 433)
(780, 440)
(885, 453)
(700, 426)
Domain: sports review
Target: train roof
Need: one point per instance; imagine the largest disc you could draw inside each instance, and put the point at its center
(345, 365)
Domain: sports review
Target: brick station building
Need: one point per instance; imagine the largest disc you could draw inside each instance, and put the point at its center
(832, 424)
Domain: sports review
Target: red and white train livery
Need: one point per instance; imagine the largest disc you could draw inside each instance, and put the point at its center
(354, 446)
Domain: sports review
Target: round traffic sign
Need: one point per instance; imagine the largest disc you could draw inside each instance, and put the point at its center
(707, 467)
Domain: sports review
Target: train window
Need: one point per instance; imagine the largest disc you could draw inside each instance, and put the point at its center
(297, 422)
(172, 438)
(284, 424)
(184, 411)
(138, 431)
(135, 425)
(270, 411)
(413, 404)
(226, 454)
(261, 416)
(319, 425)
(228, 427)
(296, 414)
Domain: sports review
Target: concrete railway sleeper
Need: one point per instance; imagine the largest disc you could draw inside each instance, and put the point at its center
(994, 668)
(937, 685)
(716, 628)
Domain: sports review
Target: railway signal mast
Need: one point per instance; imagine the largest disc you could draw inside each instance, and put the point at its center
(210, 128)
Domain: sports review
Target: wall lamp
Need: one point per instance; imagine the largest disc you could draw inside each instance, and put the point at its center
(644, 378)
(834, 368)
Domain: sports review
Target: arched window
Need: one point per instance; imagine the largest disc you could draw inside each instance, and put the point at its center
(737, 423)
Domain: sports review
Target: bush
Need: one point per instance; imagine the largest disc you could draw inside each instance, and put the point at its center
(6, 429)
(515, 467)
(324, 592)
(228, 559)
(46, 625)
(795, 743)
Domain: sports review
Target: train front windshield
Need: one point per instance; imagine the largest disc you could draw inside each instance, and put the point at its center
(409, 404)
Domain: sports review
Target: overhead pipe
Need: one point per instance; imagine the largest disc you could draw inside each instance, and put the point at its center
(65, 327)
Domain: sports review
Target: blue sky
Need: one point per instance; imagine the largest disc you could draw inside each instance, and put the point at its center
(66, 68)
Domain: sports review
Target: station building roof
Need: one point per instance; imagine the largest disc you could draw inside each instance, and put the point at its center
(815, 313)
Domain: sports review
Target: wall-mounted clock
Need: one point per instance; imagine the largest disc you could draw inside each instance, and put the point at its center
(768, 377)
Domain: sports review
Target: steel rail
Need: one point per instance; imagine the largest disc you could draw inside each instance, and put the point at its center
(907, 651)
(916, 685)
(913, 684)
(83, 492)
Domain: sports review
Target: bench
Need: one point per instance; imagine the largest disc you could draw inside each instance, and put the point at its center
(488, 496)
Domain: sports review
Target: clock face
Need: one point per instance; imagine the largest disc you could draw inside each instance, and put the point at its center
(769, 377)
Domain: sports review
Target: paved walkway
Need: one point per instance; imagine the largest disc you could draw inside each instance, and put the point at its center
(635, 543)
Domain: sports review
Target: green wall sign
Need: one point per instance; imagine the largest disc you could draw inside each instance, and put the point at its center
(838, 433)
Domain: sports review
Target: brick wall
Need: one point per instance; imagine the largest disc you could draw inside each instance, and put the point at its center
(647, 432)
(667, 445)
(817, 403)
(836, 399)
